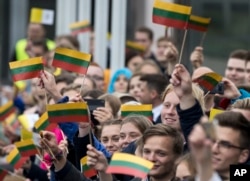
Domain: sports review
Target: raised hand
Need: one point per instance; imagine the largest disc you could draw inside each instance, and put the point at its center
(197, 57)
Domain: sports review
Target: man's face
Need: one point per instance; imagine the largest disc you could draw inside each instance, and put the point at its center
(143, 39)
(35, 32)
(159, 150)
(161, 47)
(235, 71)
(248, 72)
(224, 156)
(96, 73)
(145, 95)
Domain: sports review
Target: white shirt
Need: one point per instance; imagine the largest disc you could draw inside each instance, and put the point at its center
(157, 112)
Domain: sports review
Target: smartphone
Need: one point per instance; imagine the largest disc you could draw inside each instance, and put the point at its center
(93, 104)
(219, 89)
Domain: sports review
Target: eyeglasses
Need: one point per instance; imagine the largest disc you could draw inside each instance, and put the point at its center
(227, 145)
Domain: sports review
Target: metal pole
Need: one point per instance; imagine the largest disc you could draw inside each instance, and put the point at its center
(119, 9)
(101, 27)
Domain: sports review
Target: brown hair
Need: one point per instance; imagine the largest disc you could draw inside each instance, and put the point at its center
(75, 87)
(165, 130)
(113, 101)
(72, 39)
(110, 123)
(239, 53)
(139, 121)
(146, 30)
(238, 122)
(188, 159)
(242, 104)
(148, 62)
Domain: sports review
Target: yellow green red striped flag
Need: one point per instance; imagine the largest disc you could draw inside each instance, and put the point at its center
(71, 60)
(124, 163)
(44, 124)
(144, 110)
(6, 110)
(71, 112)
(80, 27)
(171, 14)
(14, 158)
(26, 69)
(198, 23)
(85, 169)
(27, 147)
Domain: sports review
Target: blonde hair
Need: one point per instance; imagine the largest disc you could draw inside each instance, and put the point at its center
(197, 92)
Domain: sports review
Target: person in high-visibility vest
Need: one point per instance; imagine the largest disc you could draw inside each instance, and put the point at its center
(35, 32)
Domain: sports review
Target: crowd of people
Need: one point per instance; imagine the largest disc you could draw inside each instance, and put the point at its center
(180, 140)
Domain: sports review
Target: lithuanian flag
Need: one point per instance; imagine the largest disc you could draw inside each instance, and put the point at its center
(80, 27)
(208, 81)
(134, 46)
(170, 14)
(85, 169)
(3, 173)
(198, 23)
(124, 163)
(26, 69)
(71, 112)
(26, 147)
(6, 110)
(71, 60)
(44, 124)
(12, 121)
(14, 158)
(144, 110)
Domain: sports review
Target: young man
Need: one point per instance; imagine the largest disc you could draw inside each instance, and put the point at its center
(231, 146)
(248, 69)
(97, 74)
(152, 87)
(236, 67)
(161, 145)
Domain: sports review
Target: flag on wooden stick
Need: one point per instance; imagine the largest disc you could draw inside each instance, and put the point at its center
(26, 69)
(198, 23)
(80, 27)
(71, 112)
(71, 60)
(171, 14)
(42, 16)
(6, 110)
(85, 169)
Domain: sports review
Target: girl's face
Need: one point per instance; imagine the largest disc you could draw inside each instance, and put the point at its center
(135, 87)
(135, 62)
(110, 138)
(121, 84)
(128, 134)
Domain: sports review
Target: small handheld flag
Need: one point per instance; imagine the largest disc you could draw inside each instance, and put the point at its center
(14, 158)
(85, 169)
(123, 163)
(71, 60)
(44, 124)
(80, 27)
(171, 14)
(26, 69)
(198, 23)
(6, 110)
(134, 46)
(71, 112)
(144, 110)
(27, 147)
(42, 16)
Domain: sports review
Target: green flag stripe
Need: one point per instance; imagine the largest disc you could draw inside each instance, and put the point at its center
(129, 164)
(26, 148)
(26, 69)
(71, 60)
(144, 113)
(68, 112)
(198, 23)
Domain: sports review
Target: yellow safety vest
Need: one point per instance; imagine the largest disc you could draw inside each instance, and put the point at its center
(21, 45)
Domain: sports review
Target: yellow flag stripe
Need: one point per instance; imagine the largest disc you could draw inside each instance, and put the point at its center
(6, 106)
(36, 15)
(79, 24)
(73, 53)
(146, 107)
(12, 155)
(58, 107)
(24, 63)
(43, 118)
(200, 19)
(132, 158)
(172, 7)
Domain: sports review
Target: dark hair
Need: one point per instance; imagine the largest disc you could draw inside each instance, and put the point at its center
(238, 122)
(129, 56)
(155, 81)
(72, 39)
(239, 53)
(146, 30)
(113, 101)
(65, 77)
(165, 130)
(95, 93)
